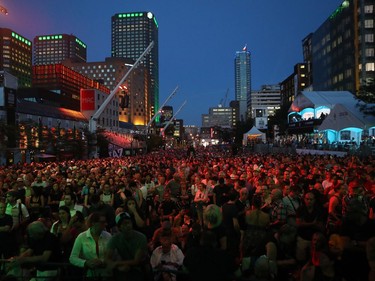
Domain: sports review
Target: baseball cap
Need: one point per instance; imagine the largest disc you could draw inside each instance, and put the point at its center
(19, 179)
(121, 217)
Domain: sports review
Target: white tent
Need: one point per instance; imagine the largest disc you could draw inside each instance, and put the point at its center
(342, 117)
(253, 135)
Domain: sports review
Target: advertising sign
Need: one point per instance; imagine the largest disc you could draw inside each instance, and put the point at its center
(87, 99)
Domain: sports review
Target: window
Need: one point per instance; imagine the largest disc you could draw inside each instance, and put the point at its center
(369, 38)
(369, 23)
(369, 9)
(370, 66)
(370, 52)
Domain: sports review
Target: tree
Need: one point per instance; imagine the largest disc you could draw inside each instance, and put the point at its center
(280, 118)
(366, 94)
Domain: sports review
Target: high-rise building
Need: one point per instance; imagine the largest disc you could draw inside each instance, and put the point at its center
(294, 83)
(16, 56)
(131, 35)
(133, 95)
(343, 48)
(224, 117)
(264, 103)
(242, 65)
(53, 49)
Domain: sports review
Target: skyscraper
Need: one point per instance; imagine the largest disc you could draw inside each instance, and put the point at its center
(16, 56)
(131, 35)
(243, 82)
(53, 49)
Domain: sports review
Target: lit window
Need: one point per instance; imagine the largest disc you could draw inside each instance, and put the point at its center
(370, 66)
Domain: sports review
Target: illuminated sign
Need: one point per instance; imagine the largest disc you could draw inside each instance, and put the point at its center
(87, 99)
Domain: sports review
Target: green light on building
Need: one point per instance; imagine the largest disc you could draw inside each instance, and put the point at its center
(20, 38)
(80, 43)
(338, 11)
(156, 23)
(130, 15)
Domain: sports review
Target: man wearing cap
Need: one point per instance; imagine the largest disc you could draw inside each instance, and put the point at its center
(127, 251)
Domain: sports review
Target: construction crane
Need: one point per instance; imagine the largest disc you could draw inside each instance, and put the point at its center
(223, 101)
(93, 120)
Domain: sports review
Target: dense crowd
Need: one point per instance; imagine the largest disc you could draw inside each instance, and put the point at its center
(190, 215)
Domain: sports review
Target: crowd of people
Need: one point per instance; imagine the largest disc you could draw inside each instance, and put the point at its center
(175, 216)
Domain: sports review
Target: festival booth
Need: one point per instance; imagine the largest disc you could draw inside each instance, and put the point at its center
(348, 124)
(329, 117)
(253, 136)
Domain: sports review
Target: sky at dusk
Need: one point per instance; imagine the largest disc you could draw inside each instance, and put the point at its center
(197, 39)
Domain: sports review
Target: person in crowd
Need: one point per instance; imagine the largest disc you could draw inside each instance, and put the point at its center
(334, 218)
(20, 216)
(321, 265)
(221, 191)
(201, 200)
(166, 259)
(35, 202)
(8, 247)
(127, 251)
(138, 218)
(174, 187)
(231, 223)
(107, 195)
(69, 201)
(291, 203)
(168, 207)
(99, 206)
(43, 252)
(55, 195)
(90, 247)
(88, 196)
(311, 218)
(277, 213)
(212, 221)
(257, 223)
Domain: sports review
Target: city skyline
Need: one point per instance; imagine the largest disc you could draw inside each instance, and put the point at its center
(197, 41)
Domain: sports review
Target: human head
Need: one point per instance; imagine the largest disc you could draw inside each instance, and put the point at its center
(64, 213)
(97, 222)
(212, 215)
(11, 196)
(69, 199)
(36, 230)
(124, 222)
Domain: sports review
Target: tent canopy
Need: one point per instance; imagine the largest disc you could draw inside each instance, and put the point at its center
(341, 117)
(254, 133)
(314, 99)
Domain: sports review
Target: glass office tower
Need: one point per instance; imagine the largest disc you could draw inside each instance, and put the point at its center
(131, 35)
(243, 82)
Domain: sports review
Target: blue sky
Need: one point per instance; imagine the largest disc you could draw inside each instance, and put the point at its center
(197, 39)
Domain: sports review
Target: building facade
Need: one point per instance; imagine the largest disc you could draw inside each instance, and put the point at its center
(16, 56)
(224, 117)
(264, 103)
(294, 83)
(132, 33)
(64, 81)
(53, 49)
(242, 70)
(343, 48)
(133, 95)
